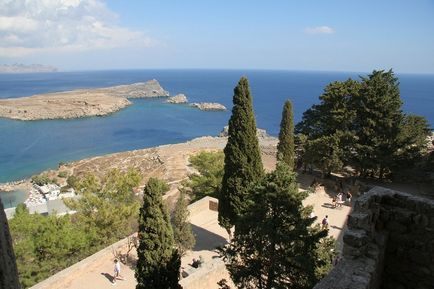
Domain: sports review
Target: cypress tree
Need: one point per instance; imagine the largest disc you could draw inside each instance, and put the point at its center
(285, 147)
(182, 232)
(158, 261)
(243, 163)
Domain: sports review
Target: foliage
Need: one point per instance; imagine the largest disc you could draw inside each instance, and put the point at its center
(208, 180)
(275, 244)
(45, 244)
(62, 174)
(243, 164)
(285, 147)
(412, 138)
(72, 181)
(106, 212)
(108, 209)
(377, 123)
(182, 231)
(41, 179)
(158, 262)
(326, 254)
(334, 113)
(325, 153)
(361, 124)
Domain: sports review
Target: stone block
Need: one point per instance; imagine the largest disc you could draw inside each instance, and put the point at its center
(403, 216)
(360, 221)
(395, 227)
(419, 257)
(356, 238)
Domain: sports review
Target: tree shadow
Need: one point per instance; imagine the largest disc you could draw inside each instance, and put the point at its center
(328, 206)
(108, 276)
(336, 227)
(206, 240)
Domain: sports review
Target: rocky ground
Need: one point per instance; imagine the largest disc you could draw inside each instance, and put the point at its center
(78, 103)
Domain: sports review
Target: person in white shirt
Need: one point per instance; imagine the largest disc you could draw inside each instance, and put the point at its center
(117, 272)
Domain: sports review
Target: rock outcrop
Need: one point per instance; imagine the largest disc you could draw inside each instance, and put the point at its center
(78, 103)
(150, 88)
(260, 133)
(208, 106)
(179, 98)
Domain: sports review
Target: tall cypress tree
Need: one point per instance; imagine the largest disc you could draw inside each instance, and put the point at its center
(243, 163)
(158, 262)
(285, 147)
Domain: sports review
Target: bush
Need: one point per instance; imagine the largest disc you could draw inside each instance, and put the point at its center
(40, 180)
(63, 174)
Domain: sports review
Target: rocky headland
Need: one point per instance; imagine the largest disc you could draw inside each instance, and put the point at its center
(23, 68)
(177, 99)
(78, 103)
(208, 106)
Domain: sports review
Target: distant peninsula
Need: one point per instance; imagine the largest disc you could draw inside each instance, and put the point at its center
(78, 103)
(23, 68)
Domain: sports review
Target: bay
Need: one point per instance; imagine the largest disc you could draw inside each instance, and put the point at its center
(28, 147)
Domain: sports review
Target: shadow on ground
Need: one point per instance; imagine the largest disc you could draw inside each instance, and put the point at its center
(108, 276)
(206, 240)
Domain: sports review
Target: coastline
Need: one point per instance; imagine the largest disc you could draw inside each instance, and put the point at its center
(169, 161)
(78, 103)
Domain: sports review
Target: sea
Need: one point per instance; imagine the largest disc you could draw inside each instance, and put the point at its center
(29, 147)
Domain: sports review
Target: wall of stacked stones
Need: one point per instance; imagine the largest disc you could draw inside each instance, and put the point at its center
(8, 267)
(389, 244)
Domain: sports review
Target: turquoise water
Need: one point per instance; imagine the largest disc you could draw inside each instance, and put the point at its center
(27, 148)
(13, 198)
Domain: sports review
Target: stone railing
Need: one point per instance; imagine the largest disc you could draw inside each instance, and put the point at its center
(389, 244)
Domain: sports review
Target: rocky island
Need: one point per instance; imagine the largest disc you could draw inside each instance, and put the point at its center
(179, 98)
(78, 103)
(208, 106)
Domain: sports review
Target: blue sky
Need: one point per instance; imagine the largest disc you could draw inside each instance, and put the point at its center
(334, 35)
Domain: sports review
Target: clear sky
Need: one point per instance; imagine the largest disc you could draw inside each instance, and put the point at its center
(333, 35)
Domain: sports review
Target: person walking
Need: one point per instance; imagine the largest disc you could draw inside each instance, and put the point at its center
(349, 196)
(117, 272)
(325, 222)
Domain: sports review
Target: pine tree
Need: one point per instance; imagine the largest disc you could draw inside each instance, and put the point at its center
(285, 147)
(243, 163)
(182, 232)
(276, 245)
(158, 262)
(377, 123)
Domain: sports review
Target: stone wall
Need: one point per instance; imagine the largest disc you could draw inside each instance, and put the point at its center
(8, 267)
(389, 244)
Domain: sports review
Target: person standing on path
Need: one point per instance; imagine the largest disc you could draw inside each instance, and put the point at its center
(325, 222)
(117, 272)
